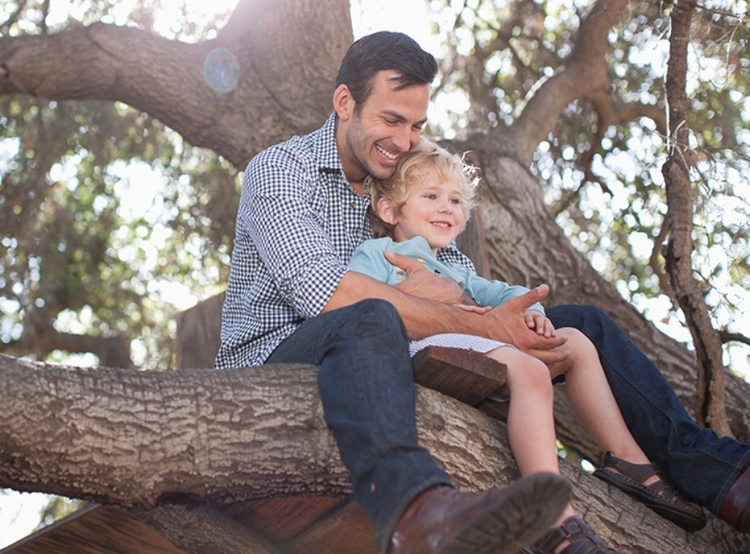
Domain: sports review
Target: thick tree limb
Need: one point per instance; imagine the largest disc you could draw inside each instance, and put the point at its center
(203, 530)
(584, 74)
(138, 439)
(166, 78)
(112, 351)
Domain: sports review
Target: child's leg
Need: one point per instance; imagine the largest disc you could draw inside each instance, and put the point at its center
(592, 400)
(531, 426)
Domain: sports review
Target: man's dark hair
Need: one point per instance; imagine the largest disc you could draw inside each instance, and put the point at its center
(384, 50)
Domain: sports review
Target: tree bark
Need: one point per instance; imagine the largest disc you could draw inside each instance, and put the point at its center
(284, 86)
(141, 439)
(681, 197)
(203, 530)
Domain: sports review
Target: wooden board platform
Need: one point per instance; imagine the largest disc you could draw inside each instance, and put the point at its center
(467, 376)
(95, 529)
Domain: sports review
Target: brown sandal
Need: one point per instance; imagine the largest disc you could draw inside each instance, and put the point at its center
(582, 540)
(661, 496)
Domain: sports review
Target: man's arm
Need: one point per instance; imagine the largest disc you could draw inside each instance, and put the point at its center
(423, 317)
(421, 282)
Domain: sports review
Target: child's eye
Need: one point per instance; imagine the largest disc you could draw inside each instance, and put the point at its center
(456, 201)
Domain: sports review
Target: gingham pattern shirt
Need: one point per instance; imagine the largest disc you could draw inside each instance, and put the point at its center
(298, 223)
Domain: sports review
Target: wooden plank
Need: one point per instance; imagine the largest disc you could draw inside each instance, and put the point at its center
(465, 375)
(279, 519)
(95, 530)
(472, 243)
(345, 530)
(470, 377)
(199, 334)
(305, 524)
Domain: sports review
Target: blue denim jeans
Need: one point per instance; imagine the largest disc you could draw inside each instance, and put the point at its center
(367, 389)
(698, 462)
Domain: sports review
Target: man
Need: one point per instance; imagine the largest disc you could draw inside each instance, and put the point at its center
(291, 298)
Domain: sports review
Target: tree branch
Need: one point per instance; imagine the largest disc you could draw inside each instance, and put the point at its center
(584, 74)
(681, 196)
(166, 78)
(145, 438)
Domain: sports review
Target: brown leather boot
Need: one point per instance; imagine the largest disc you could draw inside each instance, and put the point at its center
(735, 508)
(442, 520)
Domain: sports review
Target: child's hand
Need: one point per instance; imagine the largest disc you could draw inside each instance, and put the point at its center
(538, 322)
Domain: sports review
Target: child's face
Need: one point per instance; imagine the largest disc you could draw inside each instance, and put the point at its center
(433, 210)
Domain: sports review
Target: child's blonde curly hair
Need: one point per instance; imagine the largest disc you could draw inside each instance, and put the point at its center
(422, 161)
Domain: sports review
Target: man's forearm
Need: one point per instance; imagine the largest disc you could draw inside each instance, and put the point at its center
(422, 317)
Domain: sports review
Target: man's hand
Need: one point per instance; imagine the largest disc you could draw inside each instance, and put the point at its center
(507, 323)
(421, 282)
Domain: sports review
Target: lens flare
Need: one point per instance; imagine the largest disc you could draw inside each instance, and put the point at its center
(221, 70)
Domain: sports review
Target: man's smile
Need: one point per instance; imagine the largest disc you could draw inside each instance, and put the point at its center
(383, 152)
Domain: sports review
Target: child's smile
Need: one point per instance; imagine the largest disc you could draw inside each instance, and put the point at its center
(433, 210)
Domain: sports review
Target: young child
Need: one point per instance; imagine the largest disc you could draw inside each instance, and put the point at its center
(421, 209)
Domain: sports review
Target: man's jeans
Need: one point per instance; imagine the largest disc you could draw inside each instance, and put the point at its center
(698, 462)
(367, 388)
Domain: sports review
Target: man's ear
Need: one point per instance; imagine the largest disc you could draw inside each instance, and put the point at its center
(386, 211)
(343, 102)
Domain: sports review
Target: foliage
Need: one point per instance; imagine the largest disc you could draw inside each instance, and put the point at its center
(601, 167)
(102, 210)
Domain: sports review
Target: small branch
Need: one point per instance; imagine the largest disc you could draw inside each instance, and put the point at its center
(726, 337)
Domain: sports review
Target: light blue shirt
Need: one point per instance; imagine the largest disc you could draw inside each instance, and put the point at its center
(368, 258)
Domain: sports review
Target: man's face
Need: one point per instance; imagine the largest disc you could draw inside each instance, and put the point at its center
(387, 125)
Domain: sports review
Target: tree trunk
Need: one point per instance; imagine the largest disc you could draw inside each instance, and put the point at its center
(142, 438)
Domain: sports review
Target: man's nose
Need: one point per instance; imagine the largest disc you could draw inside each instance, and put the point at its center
(404, 139)
(407, 138)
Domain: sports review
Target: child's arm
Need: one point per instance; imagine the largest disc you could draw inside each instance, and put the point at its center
(368, 259)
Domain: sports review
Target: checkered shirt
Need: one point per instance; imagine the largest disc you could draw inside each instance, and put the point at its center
(298, 223)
